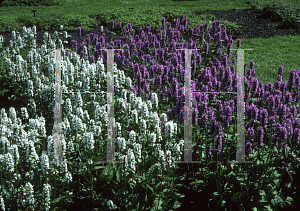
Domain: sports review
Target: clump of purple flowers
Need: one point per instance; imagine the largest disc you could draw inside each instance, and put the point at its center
(273, 110)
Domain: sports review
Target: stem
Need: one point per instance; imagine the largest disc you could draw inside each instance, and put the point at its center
(62, 190)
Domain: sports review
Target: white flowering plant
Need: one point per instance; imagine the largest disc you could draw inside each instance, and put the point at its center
(148, 129)
(27, 134)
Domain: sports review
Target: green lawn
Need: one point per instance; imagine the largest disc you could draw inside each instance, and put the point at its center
(267, 54)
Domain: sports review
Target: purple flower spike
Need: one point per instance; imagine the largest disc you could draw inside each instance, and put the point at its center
(79, 31)
(185, 22)
(206, 48)
(288, 98)
(81, 54)
(208, 38)
(292, 77)
(283, 87)
(293, 110)
(238, 43)
(280, 70)
(182, 17)
(112, 24)
(119, 25)
(229, 46)
(92, 59)
(251, 64)
(218, 142)
(163, 22)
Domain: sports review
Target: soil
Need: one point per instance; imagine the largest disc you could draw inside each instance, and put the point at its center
(254, 24)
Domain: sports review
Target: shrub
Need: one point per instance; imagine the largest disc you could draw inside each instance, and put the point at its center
(278, 10)
(69, 21)
(8, 24)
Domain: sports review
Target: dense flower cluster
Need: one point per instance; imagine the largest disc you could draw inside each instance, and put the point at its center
(139, 120)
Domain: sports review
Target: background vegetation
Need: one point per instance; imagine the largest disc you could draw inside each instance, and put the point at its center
(267, 53)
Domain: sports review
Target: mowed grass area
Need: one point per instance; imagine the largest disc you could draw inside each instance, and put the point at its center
(267, 54)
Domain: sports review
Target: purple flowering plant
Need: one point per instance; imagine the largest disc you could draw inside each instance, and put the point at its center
(157, 74)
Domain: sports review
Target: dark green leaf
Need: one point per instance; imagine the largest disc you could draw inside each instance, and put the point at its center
(291, 177)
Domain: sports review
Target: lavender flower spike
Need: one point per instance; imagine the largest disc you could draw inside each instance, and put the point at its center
(79, 31)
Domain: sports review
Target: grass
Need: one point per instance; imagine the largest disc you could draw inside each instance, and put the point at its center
(267, 54)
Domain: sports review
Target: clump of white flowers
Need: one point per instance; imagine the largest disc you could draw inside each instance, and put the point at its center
(163, 118)
(169, 129)
(12, 114)
(88, 141)
(2, 205)
(121, 104)
(134, 116)
(149, 104)
(9, 162)
(132, 98)
(97, 130)
(44, 162)
(118, 130)
(143, 126)
(32, 106)
(46, 196)
(130, 162)
(137, 151)
(50, 149)
(132, 137)
(26, 196)
(155, 120)
(168, 160)
(145, 112)
(122, 144)
(138, 103)
(154, 100)
(15, 152)
(24, 113)
(152, 139)
(177, 148)
(31, 154)
(79, 112)
(128, 82)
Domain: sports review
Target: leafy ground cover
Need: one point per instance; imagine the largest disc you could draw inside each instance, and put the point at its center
(271, 183)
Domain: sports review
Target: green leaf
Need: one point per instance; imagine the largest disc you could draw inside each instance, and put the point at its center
(276, 182)
(215, 193)
(165, 190)
(150, 187)
(179, 195)
(157, 204)
(268, 208)
(291, 177)
(273, 202)
(289, 200)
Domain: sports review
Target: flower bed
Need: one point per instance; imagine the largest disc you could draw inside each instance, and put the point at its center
(149, 111)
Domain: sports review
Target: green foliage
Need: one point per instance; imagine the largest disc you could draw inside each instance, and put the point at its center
(153, 17)
(69, 21)
(280, 10)
(9, 24)
(22, 3)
